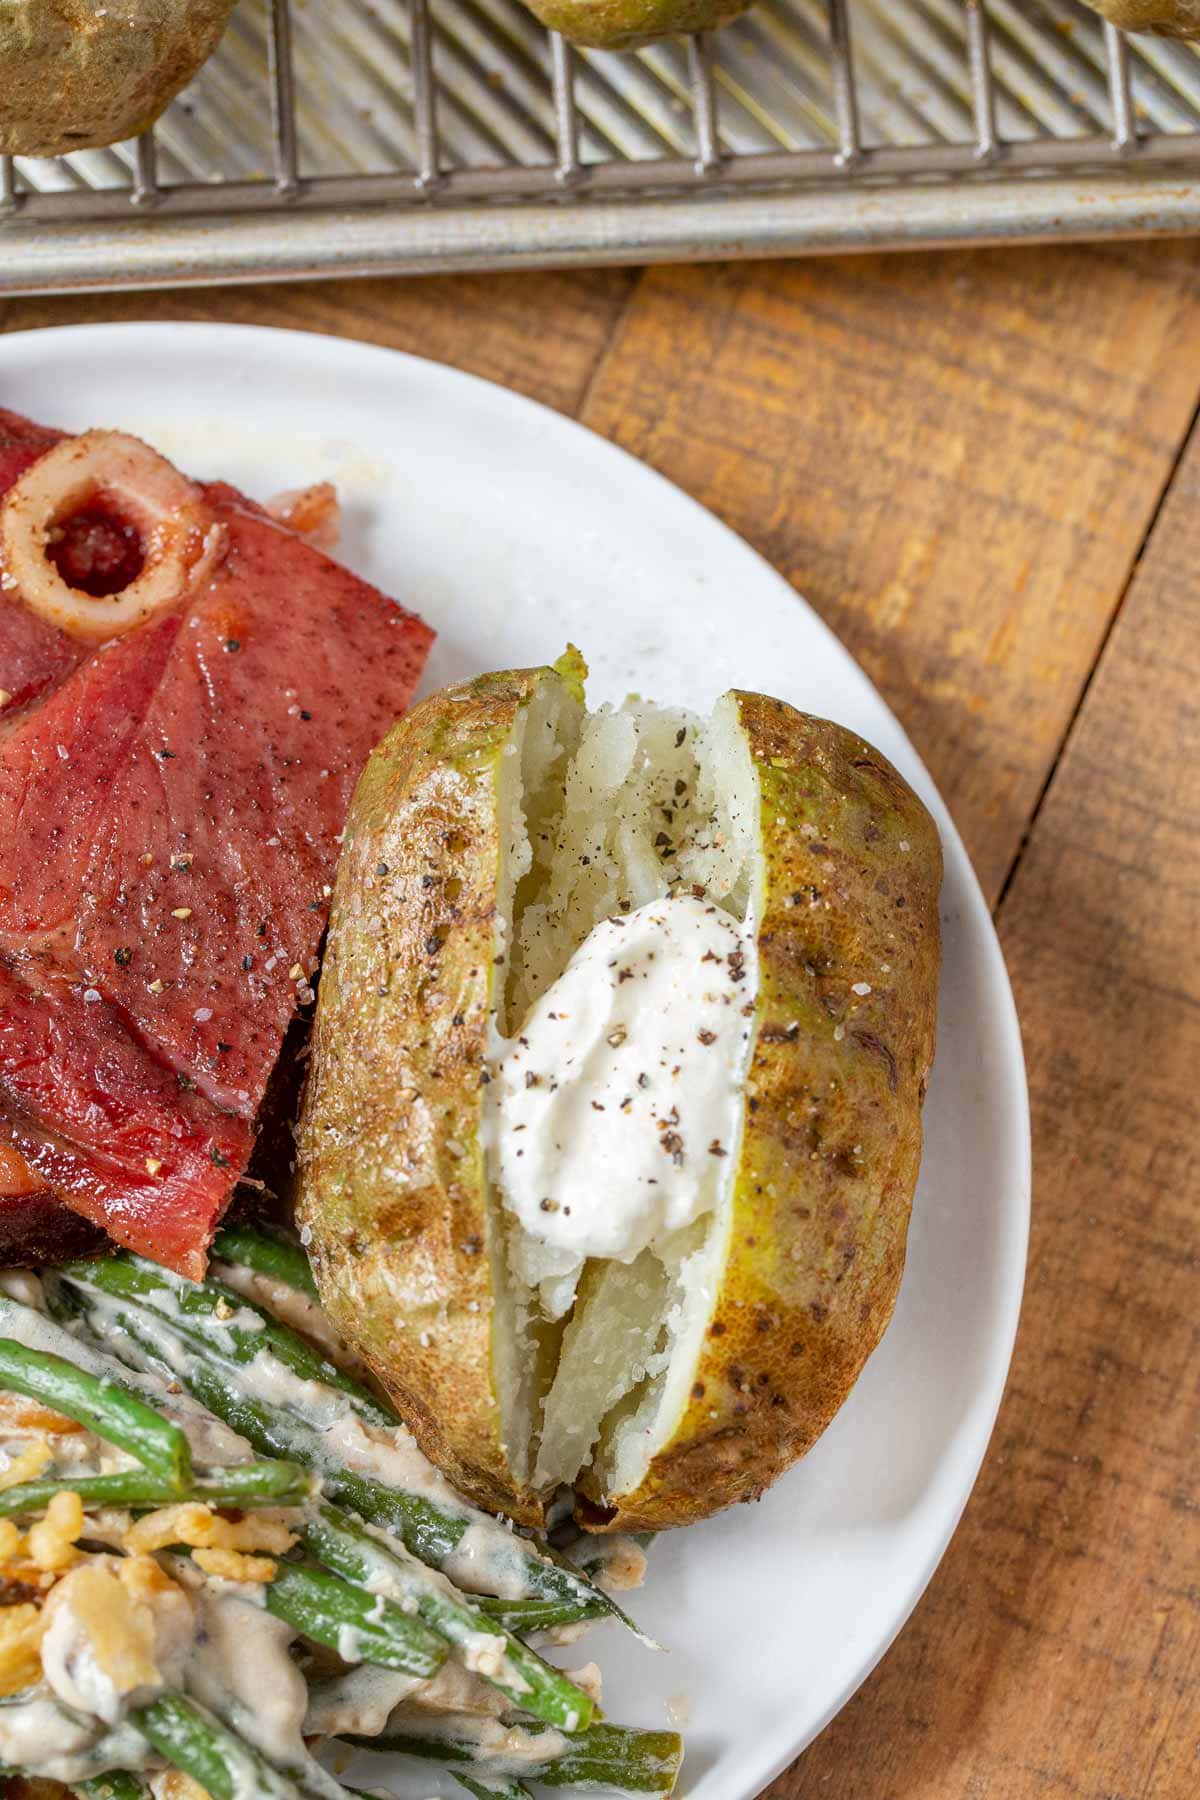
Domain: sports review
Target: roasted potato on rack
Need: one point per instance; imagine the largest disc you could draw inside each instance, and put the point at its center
(1166, 18)
(626, 24)
(74, 75)
(665, 1319)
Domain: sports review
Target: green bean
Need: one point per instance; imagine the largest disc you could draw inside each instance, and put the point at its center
(361, 1555)
(98, 1403)
(604, 1756)
(114, 1786)
(207, 1315)
(267, 1251)
(536, 1687)
(243, 1484)
(534, 1615)
(500, 1787)
(194, 1740)
(326, 1609)
(429, 1530)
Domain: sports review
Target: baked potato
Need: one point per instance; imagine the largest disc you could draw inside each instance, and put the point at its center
(497, 834)
(77, 75)
(1166, 18)
(626, 24)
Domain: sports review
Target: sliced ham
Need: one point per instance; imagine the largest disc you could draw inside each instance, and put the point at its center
(170, 805)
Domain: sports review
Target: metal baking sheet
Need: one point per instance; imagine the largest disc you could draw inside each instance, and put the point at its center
(407, 135)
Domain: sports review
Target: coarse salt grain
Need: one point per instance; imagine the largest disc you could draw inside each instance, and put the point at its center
(861, 988)
(202, 1015)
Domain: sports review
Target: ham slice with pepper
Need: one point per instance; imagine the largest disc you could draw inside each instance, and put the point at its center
(189, 692)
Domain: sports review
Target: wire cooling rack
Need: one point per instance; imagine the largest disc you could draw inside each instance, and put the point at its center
(377, 136)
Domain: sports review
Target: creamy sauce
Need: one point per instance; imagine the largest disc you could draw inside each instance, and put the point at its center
(38, 1734)
(397, 1576)
(616, 1106)
(510, 1748)
(210, 1440)
(485, 1562)
(486, 1557)
(617, 1563)
(240, 1669)
(358, 1703)
(293, 1308)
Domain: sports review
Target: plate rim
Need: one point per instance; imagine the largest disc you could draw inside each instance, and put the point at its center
(781, 1748)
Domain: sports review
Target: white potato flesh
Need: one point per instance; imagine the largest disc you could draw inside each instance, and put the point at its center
(583, 800)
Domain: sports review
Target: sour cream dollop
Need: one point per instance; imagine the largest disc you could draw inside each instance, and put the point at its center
(617, 1106)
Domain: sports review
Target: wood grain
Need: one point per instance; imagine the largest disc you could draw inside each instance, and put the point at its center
(1058, 1649)
(954, 459)
(540, 334)
(957, 459)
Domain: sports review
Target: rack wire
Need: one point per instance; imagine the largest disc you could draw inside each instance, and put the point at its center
(396, 136)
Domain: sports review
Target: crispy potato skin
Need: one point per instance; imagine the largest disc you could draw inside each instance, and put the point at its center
(1167, 18)
(832, 1131)
(76, 76)
(391, 1167)
(626, 24)
(391, 1177)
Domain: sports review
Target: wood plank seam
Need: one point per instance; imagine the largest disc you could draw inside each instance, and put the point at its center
(1101, 647)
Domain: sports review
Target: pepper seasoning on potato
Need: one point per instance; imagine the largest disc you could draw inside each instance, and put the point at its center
(544, 922)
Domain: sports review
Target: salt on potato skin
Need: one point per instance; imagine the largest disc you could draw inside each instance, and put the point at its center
(845, 867)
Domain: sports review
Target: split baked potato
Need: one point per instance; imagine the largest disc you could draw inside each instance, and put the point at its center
(497, 826)
(74, 75)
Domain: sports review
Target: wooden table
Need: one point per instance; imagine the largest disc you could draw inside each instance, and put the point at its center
(982, 471)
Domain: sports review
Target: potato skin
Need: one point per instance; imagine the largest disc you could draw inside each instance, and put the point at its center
(390, 1163)
(1166, 18)
(390, 1167)
(77, 76)
(626, 24)
(831, 1140)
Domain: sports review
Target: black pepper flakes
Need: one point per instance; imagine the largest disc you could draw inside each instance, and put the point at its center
(218, 1159)
(232, 644)
(123, 956)
(247, 964)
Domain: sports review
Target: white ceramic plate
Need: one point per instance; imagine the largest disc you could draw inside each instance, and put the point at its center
(512, 530)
